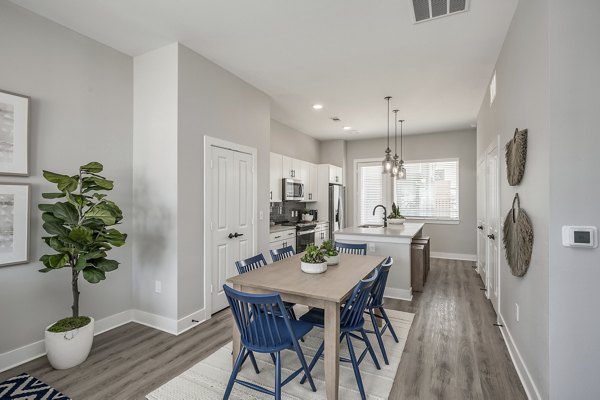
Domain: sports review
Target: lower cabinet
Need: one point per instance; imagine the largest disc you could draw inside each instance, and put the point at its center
(280, 244)
(321, 234)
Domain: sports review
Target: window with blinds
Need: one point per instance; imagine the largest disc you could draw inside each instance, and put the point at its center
(430, 190)
(370, 191)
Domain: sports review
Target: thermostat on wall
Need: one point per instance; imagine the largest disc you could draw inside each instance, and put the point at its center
(580, 236)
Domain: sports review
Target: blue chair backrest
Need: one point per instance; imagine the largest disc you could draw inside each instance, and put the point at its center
(256, 318)
(353, 310)
(378, 288)
(349, 248)
(251, 263)
(280, 254)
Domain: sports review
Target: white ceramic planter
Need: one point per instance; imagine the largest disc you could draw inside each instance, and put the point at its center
(332, 260)
(307, 217)
(71, 348)
(313, 268)
(396, 221)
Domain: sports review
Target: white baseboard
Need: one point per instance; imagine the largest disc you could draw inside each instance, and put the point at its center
(526, 379)
(188, 322)
(454, 256)
(155, 321)
(112, 322)
(400, 294)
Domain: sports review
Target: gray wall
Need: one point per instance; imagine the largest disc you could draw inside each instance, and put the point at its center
(293, 143)
(213, 102)
(574, 198)
(334, 152)
(460, 238)
(81, 111)
(522, 101)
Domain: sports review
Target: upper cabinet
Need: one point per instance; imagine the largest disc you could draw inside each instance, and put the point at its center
(275, 177)
(311, 184)
(292, 168)
(335, 175)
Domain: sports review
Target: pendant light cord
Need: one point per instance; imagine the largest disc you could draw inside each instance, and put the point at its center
(396, 133)
(388, 121)
(401, 147)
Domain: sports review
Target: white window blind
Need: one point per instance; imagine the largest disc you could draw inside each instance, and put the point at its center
(430, 190)
(370, 191)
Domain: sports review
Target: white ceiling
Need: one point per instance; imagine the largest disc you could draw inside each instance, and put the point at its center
(346, 54)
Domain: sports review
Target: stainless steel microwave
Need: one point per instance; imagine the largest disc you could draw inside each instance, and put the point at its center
(293, 189)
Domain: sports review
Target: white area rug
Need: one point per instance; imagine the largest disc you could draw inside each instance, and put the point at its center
(207, 380)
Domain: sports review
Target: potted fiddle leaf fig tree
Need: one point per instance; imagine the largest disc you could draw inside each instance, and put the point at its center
(81, 231)
(331, 254)
(313, 260)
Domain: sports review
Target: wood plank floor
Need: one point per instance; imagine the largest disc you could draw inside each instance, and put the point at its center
(453, 350)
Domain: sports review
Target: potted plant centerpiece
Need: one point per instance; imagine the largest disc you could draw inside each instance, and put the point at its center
(81, 232)
(331, 254)
(395, 218)
(313, 261)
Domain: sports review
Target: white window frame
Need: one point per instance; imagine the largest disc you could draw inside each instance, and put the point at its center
(439, 221)
(387, 194)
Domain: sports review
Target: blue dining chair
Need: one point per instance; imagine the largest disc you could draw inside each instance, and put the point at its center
(280, 254)
(262, 330)
(255, 262)
(351, 320)
(349, 248)
(375, 303)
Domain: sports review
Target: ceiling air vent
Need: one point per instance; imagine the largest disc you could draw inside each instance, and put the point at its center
(425, 10)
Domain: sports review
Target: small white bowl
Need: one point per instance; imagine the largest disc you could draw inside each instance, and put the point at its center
(396, 221)
(313, 268)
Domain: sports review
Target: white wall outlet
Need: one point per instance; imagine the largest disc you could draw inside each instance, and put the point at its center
(517, 311)
(260, 216)
(157, 286)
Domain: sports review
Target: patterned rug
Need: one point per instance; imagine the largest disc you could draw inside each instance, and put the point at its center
(207, 379)
(26, 387)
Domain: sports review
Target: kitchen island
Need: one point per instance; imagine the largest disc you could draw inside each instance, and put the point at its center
(394, 241)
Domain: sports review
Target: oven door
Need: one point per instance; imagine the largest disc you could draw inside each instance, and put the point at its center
(303, 239)
(293, 189)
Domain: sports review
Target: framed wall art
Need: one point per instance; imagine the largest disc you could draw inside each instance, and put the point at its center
(14, 134)
(14, 223)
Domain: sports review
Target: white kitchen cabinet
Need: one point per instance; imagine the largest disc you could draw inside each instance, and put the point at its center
(335, 175)
(321, 233)
(275, 177)
(292, 168)
(280, 244)
(312, 183)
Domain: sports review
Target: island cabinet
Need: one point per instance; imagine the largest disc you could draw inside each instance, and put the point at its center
(394, 241)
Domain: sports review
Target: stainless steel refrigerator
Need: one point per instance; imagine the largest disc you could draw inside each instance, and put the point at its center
(337, 208)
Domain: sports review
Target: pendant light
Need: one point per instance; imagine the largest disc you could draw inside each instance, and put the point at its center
(396, 166)
(401, 170)
(387, 162)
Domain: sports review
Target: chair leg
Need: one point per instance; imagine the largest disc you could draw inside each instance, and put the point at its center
(304, 366)
(370, 348)
(356, 368)
(273, 358)
(292, 313)
(314, 361)
(234, 372)
(379, 338)
(253, 361)
(389, 324)
(278, 376)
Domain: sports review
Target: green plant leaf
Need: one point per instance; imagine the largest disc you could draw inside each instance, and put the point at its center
(52, 195)
(115, 237)
(54, 228)
(49, 217)
(45, 270)
(46, 207)
(106, 265)
(101, 214)
(93, 275)
(53, 177)
(90, 183)
(58, 261)
(81, 234)
(67, 212)
(81, 263)
(95, 254)
(68, 184)
(92, 167)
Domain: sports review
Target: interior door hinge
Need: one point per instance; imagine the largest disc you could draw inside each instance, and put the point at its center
(211, 164)
(211, 226)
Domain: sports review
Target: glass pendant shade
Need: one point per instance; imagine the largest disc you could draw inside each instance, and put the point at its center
(396, 166)
(387, 162)
(401, 171)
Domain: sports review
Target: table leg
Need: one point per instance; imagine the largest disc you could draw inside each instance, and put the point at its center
(379, 320)
(332, 349)
(235, 334)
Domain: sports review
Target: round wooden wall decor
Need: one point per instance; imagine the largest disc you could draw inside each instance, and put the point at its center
(518, 239)
(516, 156)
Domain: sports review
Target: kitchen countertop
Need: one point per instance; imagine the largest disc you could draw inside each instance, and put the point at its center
(406, 230)
(280, 228)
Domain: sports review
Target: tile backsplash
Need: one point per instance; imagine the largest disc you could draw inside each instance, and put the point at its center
(282, 212)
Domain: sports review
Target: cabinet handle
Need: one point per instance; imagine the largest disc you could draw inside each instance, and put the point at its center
(271, 194)
(480, 227)
(491, 236)
(277, 237)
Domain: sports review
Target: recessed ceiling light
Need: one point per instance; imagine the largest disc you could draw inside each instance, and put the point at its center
(318, 106)
(347, 128)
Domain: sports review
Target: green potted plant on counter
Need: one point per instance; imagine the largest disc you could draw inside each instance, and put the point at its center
(313, 260)
(332, 256)
(395, 218)
(81, 232)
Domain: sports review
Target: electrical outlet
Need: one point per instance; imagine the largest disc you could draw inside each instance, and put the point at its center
(260, 215)
(517, 311)
(157, 286)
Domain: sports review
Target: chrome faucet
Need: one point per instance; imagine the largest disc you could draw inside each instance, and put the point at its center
(384, 214)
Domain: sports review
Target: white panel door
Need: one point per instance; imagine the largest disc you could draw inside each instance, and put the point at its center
(493, 224)
(481, 222)
(231, 192)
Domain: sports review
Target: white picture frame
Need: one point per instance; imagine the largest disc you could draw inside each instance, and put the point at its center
(14, 134)
(14, 223)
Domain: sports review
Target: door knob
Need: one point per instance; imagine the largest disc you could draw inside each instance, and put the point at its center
(230, 236)
(238, 234)
(480, 227)
(491, 236)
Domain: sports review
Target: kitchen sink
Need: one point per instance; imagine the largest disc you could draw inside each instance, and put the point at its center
(370, 226)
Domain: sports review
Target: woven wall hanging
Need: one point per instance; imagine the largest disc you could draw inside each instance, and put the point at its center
(516, 156)
(518, 238)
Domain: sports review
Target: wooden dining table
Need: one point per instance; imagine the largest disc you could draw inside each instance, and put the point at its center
(327, 291)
